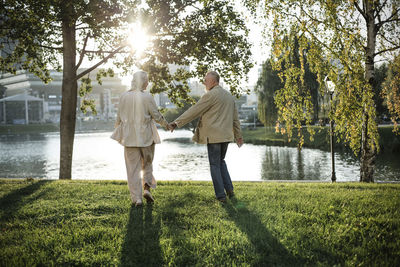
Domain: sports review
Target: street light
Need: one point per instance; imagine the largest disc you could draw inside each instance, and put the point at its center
(254, 118)
(330, 88)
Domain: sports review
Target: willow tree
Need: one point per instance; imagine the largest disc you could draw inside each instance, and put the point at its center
(344, 40)
(267, 84)
(391, 91)
(272, 80)
(35, 34)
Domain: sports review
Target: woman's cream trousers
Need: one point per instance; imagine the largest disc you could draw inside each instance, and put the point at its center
(139, 159)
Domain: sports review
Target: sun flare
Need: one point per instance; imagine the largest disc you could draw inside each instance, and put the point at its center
(138, 38)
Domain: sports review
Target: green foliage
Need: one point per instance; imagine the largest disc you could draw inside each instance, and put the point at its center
(202, 34)
(32, 31)
(90, 223)
(268, 83)
(381, 73)
(294, 100)
(86, 88)
(391, 91)
(337, 46)
(211, 36)
(277, 78)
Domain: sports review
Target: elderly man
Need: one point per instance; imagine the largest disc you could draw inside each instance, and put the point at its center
(218, 125)
(136, 131)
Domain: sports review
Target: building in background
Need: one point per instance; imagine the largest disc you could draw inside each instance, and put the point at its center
(25, 99)
(21, 109)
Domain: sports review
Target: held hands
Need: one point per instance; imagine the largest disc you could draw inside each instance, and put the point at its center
(239, 142)
(172, 126)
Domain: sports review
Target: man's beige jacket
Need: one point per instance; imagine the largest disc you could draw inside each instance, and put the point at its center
(134, 125)
(219, 120)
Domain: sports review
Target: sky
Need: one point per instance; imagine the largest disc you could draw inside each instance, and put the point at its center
(260, 50)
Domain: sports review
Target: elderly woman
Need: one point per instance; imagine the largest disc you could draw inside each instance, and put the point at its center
(136, 131)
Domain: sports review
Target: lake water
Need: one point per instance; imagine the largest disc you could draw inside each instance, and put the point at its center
(96, 156)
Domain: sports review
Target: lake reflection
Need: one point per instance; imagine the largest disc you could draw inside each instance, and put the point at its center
(96, 156)
(288, 163)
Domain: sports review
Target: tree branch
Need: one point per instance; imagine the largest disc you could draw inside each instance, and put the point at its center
(360, 10)
(378, 11)
(308, 15)
(169, 34)
(82, 54)
(387, 50)
(52, 47)
(104, 52)
(185, 6)
(82, 28)
(387, 40)
(104, 60)
(390, 19)
(378, 25)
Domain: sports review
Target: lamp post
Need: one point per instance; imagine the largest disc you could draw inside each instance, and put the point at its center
(330, 88)
(254, 118)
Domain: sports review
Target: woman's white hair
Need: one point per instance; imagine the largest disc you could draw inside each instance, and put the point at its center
(139, 80)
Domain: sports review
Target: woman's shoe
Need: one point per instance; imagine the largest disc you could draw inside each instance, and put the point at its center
(147, 195)
(138, 203)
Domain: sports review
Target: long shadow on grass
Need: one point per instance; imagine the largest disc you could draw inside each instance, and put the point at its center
(141, 246)
(15, 200)
(270, 251)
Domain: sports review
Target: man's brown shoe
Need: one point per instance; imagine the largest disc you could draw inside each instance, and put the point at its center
(222, 200)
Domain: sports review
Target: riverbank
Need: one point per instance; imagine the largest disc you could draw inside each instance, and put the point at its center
(86, 223)
(81, 126)
(389, 141)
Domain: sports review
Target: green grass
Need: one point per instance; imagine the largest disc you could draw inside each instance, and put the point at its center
(90, 223)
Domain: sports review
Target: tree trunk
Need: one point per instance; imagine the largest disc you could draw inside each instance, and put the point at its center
(69, 94)
(368, 154)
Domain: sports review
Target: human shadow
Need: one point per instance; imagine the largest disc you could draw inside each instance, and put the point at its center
(270, 251)
(12, 202)
(174, 215)
(141, 246)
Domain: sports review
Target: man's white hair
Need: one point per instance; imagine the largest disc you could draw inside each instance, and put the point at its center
(139, 80)
(214, 74)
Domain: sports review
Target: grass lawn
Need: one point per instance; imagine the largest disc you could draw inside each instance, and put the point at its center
(267, 224)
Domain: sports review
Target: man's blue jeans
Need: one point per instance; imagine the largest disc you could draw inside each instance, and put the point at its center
(219, 171)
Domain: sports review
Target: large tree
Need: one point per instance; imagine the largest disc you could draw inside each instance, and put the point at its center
(267, 84)
(344, 40)
(272, 80)
(35, 34)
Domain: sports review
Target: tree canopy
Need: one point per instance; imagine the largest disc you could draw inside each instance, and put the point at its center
(268, 83)
(273, 79)
(202, 34)
(343, 40)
